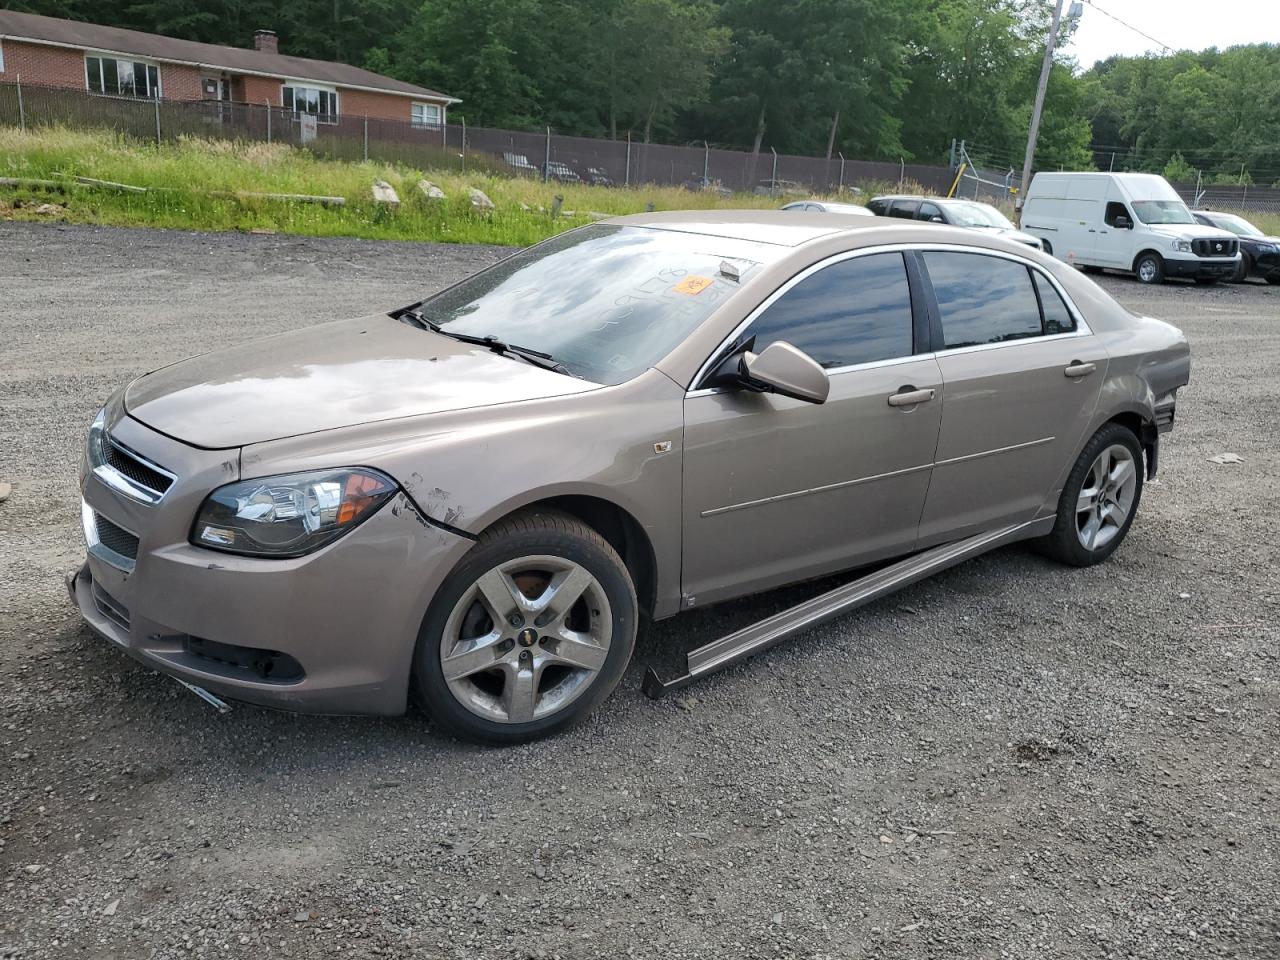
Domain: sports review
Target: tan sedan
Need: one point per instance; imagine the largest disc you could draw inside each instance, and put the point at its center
(475, 499)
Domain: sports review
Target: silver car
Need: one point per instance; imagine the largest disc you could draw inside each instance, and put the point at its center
(475, 499)
(973, 214)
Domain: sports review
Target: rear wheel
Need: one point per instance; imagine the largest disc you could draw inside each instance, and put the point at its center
(529, 634)
(1149, 268)
(1048, 247)
(1099, 499)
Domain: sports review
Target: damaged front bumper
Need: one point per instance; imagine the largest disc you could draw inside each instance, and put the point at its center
(330, 632)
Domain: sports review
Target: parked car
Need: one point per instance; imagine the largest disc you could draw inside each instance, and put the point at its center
(475, 498)
(519, 163)
(1259, 253)
(827, 206)
(780, 188)
(562, 172)
(1126, 221)
(701, 184)
(598, 177)
(972, 214)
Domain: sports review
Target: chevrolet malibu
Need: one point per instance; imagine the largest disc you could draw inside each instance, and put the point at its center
(475, 500)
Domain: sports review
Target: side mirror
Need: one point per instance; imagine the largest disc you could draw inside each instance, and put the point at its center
(783, 369)
(1122, 223)
(936, 220)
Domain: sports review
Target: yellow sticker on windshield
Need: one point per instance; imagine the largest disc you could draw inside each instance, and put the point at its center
(692, 286)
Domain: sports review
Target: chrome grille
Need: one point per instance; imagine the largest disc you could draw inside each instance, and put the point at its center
(114, 538)
(141, 471)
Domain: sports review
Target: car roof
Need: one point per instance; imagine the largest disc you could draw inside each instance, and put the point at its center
(931, 199)
(787, 228)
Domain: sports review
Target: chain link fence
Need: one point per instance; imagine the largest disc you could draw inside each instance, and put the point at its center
(458, 147)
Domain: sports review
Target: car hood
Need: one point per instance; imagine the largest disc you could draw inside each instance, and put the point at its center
(1190, 231)
(334, 375)
(1020, 236)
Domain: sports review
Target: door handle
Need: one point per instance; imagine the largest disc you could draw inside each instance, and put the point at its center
(909, 398)
(1077, 369)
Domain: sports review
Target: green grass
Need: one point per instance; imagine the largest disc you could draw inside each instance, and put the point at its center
(184, 177)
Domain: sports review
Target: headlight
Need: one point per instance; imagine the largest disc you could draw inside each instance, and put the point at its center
(98, 439)
(1182, 246)
(289, 515)
(1267, 248)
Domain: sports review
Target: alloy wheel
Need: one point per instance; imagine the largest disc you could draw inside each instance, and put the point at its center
(526, 639)
(1106, 497)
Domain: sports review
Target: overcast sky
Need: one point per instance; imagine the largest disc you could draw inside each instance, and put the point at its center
(1182, 24)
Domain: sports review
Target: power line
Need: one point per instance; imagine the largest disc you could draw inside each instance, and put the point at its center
(1107, 13)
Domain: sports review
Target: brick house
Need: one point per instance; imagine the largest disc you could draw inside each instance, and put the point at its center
(111, 62)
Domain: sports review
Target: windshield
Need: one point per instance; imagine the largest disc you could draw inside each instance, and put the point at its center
(606, 301)
(978, 215)
(1162, 211)
(1237, 225)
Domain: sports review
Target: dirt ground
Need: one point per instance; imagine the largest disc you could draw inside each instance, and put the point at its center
(1012, 760)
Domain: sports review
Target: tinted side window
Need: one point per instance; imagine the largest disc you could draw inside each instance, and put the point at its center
(1057, 318)
(1115, 210)
(878, 207)
(854, 311)
(906, 209)
(982, 299)
(928, 211)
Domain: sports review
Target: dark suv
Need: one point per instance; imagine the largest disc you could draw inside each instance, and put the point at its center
(1259, 254)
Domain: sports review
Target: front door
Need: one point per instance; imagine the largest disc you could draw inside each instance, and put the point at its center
(777, 490)
(1113, 244)
(1021, 377)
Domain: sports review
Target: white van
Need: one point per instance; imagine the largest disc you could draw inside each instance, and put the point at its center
(1126, 221)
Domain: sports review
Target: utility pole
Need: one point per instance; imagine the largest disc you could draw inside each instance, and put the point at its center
(1045, 67)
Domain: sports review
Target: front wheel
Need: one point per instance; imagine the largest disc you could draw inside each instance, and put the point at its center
(1242, 270)
(531, 632)
(1150, 268)
(1099, 499)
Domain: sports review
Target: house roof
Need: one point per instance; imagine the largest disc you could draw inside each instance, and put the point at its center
(92, 36)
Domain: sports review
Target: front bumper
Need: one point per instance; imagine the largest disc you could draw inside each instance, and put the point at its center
(1197, 269)
(1267, 266)
(331, 632)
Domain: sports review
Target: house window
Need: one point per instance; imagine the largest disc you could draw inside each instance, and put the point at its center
(314, 100)
(122, 78)
(1, 57)
(425, 114)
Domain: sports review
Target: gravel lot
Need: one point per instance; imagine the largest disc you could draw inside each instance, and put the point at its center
(1012, 760)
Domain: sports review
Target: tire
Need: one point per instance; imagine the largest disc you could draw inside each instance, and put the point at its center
(1273, 279)
(1079, 509)
(1149, 268)
(535, 669)
(1047, 246)
(1242, 271)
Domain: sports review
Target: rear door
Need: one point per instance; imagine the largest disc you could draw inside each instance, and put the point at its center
(776, 490)
(1021, 376)
(904, 209)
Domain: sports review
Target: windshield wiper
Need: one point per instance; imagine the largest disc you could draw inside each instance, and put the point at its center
(536, 357)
